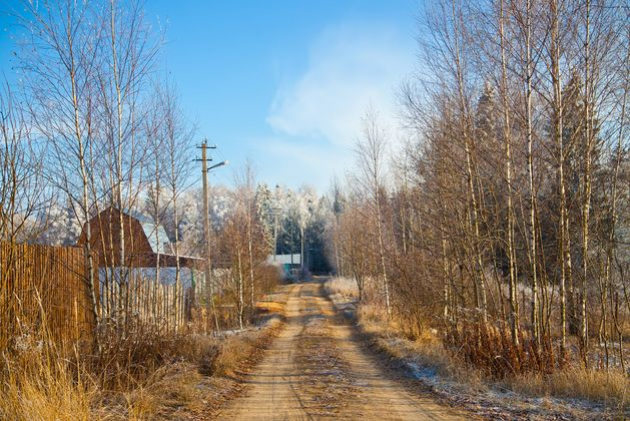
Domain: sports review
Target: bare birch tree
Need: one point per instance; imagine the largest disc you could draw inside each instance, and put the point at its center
(371, 153)
(60, 60)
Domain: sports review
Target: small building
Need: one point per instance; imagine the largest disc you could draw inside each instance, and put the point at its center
(145, 243)
(148, 259)
(290, 264)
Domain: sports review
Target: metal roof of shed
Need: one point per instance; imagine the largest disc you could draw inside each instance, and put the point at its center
(156, 234)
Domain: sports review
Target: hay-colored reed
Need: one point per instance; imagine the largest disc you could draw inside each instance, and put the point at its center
(44, 288)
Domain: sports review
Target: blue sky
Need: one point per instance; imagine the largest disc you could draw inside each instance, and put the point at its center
(283, 83)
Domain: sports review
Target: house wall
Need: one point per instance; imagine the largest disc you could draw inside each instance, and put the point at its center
(105, 241)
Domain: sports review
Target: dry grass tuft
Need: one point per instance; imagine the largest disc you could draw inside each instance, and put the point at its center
(169, 388)
(234, 350)
(239, 349)
(345, 287)
(123, 363)
(46, 389)
(610, 388)
(265, 307)
(143, 377)
(373, 320)
(425, 351)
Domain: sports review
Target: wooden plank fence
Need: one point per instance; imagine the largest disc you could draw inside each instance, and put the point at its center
(152, 299)
(44, 291)
(44, 294)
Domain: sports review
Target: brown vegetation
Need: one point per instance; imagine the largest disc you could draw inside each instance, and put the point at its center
(150, 376)
(503, 222)
(471, 381)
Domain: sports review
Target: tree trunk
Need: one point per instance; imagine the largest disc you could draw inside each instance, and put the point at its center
(514, 322)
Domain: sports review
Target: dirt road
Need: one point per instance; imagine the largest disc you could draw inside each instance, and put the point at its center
(315, 369)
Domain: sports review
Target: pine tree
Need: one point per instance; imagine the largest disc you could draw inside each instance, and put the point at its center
(265, 212)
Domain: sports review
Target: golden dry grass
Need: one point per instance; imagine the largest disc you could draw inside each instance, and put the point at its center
(144, 374)
(426, 349)
(44, 383)
(238, 349)
(345, 287)
(45, 389)
(170, 387)
(270, 307)
(610, 388)
(233, 350)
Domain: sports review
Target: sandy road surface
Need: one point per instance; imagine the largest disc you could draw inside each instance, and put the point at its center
(315, 369)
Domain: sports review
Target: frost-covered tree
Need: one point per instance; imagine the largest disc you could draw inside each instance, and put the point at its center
(59, 225)
(266, 212)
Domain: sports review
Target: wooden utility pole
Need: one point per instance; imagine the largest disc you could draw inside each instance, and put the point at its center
(276, 211)
(210, 309)
(275, 233)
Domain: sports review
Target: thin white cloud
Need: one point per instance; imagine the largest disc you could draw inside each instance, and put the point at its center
(316, 118)
(350, 66)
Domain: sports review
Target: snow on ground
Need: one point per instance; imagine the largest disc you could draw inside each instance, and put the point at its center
(487, 399)
(497, 402)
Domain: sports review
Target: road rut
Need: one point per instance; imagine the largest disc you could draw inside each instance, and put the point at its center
(315, 369)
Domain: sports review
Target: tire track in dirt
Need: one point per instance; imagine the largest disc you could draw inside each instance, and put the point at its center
(327, 384)
(272, 385)
(379, 395)
(315, 369)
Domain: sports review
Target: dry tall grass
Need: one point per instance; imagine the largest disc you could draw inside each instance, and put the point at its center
(345, 287)
(610, 388)
(427, 349)
(38, 384)
(237, 349)
(144, 376)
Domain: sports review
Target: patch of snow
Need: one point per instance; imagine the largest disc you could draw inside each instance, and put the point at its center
(495, 401)
(422, 372)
